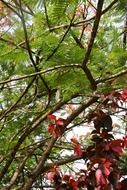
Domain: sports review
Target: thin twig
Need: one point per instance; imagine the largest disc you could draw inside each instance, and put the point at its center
(29, 48)
(41, 72)
(39, 168)
(28, 131)
(111, 77)
(65, 34)
(46, 14)
(11, 8)
(19, 99)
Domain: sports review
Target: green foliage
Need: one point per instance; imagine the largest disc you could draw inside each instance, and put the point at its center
(123, 162)
(49, 44)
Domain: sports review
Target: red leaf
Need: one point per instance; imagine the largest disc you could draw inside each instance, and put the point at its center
(117, 150)
(53, 117)
(58, 131)
(103, 181)
(73, 183)
(107, 147)
(125, 141)
(78, 150)
(60, 121)
(66, 177)
(51, 128)
(100, 178)
(116, 94)
(124, 95)
(116, 146)
(106, 168)
(82, 181)
(50, 175)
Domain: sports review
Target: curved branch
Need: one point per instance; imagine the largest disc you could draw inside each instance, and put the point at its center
(111, 77)
(62, 162)
(41, 72)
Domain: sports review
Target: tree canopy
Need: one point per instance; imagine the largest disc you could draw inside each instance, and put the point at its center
(63, 67)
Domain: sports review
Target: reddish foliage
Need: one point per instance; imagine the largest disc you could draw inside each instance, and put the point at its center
(106, 167)
(125, 141)
(73, 183)
(101, 158)
(53, 117)
(51, 175)
(116, 146)
(77, 146)
(56, 128)
(123, 184)
(54, 171)
(124, 94)
(51, 128)
(78, 150)
(66, 177)
(101, 180)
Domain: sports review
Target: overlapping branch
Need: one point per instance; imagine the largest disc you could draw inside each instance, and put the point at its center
(31, 126)
(39, 168)
(28, 129)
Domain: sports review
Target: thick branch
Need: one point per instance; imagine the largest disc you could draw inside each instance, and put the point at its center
(90, 77)
(90, 45)
(125, 34)
(62, 162)
(15, 175)
(94, 32)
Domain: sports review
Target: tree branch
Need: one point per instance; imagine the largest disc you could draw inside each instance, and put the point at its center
(46, 14)
(39, 168)
(90, 45)
(111, 77)
(29, 48)
(85, 21)
(94, 32)
(41, 72)
(62, 162)
(92, 18)
(29, 130)
(65, 34)
(19, 99)
(11, 8)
